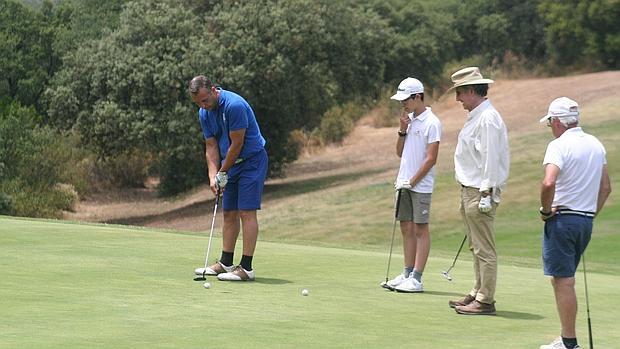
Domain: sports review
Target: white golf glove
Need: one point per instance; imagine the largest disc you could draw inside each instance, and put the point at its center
(485, 204)
(402, 184)
(221, 179)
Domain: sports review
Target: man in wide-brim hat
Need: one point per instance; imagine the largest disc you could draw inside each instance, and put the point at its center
(481, 161)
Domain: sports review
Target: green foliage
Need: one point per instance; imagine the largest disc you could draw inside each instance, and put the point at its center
(27, 60)
(33, 161)
(579, 31)
(79, 21)
(6, 204)
(295, 60)
(335, 125)
(126, 91)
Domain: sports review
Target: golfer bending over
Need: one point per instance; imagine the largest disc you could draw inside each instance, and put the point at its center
(237, 163)
(574, 190)
(417, 146)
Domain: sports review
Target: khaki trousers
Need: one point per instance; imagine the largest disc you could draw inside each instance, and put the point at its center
(481, 235)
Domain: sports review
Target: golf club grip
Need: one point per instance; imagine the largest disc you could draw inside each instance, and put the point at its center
(397, 203)
(590, 333)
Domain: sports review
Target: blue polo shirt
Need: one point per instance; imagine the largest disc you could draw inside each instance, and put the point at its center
(233, 113)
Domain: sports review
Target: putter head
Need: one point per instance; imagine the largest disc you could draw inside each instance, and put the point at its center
(386, 286)
(446, 275)
(200, 277)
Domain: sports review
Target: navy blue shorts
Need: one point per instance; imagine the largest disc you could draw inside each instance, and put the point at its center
(245, 184)
(565, 238)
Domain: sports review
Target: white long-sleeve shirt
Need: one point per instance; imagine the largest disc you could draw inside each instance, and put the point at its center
(482, 156)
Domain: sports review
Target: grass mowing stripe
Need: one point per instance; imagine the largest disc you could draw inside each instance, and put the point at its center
(74, 286)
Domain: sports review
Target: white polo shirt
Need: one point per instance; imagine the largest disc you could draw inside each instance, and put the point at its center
(581, 158)
(482, 155)
(423, 130)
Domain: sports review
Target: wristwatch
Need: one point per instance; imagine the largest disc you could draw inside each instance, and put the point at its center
(545, 214)
(401, 133)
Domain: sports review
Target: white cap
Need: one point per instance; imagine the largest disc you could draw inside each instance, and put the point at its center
(408, 87)
(561, 107)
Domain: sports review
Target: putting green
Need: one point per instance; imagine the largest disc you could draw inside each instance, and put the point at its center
(67, 285)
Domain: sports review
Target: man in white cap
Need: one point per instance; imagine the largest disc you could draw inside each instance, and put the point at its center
(481, 161)
(417, 146)
(574, 190)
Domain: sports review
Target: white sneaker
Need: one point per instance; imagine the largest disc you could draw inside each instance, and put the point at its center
(215, 269)
(410, 285)
(394, 282)
(237, 274)
(556, 344)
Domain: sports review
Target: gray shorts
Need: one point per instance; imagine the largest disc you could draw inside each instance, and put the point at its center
(414, 206)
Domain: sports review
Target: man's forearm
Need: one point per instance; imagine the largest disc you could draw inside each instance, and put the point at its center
(213, 161)
(547, 193)
(233, 153)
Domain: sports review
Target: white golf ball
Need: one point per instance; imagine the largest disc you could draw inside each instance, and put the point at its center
(207, 285)
(304, 292)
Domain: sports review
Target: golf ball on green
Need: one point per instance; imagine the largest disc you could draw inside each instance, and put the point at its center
(304, 292)
(207, 285)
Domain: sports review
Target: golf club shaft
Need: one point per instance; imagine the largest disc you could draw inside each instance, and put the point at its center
(387, 273)
(585, 283)
(457, 253)
(217, 201)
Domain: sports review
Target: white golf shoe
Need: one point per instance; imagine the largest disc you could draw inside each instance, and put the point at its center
(410, 285)
(215, 269)
(237, 274)
(556, 344)
(394, 282)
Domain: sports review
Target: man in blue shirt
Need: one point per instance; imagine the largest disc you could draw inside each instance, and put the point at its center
(237, 164)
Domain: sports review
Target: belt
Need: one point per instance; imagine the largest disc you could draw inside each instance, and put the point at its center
(575, 212)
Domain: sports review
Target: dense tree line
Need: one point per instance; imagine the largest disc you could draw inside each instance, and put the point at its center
(112, 74)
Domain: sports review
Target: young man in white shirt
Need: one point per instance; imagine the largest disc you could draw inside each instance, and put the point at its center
(481, 162)
(574, 190)
(417, 146)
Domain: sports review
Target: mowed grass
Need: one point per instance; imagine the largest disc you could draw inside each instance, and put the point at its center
(93, 286)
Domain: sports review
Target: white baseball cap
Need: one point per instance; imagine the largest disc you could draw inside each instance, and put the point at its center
(408, 87)
(561, 107)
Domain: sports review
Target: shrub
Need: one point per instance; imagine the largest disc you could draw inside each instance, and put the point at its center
(6, 204)
(335, 125)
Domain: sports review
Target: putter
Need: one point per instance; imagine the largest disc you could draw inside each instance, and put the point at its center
(585, 282)
(446, 273)
(387, 273)
(204, 276)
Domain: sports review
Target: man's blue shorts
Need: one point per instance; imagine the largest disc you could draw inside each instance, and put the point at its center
(245, 183)
(565, 238)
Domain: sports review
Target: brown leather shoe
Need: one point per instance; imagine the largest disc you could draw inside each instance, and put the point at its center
(476, 308)
(463, 301)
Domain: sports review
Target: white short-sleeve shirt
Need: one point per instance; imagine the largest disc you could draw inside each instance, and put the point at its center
(581, 158)
(423, 130)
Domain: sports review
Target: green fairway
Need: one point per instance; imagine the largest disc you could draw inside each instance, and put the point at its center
(92, 286)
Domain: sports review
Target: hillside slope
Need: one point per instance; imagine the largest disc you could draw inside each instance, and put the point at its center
(367, 155)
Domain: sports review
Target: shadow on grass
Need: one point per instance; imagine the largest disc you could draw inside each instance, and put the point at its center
(280, 190)
(441, 293)
(519, 315)
(271, 281)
